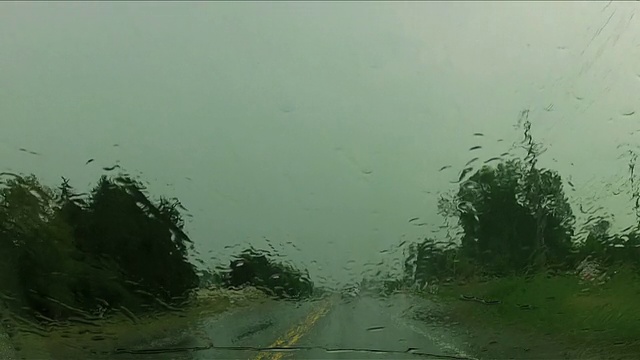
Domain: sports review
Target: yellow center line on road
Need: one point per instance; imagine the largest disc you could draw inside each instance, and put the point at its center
(296, 333)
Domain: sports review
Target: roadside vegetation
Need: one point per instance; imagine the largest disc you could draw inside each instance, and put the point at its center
(519, 263)
(258, 269)
(112, 259)
(65, 254)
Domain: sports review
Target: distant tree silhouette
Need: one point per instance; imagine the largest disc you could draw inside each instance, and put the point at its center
(280, 280)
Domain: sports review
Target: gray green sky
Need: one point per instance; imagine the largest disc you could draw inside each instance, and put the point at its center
(319, 124)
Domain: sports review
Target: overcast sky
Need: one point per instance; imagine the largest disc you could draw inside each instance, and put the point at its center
(322, 125)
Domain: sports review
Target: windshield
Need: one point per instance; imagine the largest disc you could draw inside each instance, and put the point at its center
(269, 180)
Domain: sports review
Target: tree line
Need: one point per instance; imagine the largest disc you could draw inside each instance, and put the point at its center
(516, 220)
(65, 254)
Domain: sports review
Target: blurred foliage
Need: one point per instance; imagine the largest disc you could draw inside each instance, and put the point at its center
(256, 268)
(210, 279)
(515, 220)
(611, 249)
(65, 254)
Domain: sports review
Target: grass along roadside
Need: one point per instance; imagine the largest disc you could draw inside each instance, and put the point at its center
(80, 340)
(597, 319)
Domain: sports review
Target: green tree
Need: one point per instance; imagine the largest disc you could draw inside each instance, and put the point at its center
(430, 261)
(610, 249)
(144, 240)
(255, 268)
(37, 245)
(515, 218)
(64, 253)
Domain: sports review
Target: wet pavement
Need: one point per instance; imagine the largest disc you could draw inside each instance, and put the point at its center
(365, 327)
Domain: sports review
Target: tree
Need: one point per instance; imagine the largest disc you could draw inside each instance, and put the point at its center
(64, 253)
(515, 216)
(255, 268)
(37, 244)
(611, 249)
(430, 261)
(145, 241)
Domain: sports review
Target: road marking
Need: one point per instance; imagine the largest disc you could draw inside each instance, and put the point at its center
(295, 333)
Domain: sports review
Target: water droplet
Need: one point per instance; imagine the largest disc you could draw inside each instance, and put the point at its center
(375, 328)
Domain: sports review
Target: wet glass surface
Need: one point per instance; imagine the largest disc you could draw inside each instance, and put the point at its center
(319, 180)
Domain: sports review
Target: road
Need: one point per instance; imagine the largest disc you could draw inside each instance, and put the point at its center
(366, 327)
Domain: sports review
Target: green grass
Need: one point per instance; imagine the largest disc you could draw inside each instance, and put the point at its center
(604, 317)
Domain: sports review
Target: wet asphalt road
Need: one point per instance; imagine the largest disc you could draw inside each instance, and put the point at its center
(363, 328)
